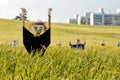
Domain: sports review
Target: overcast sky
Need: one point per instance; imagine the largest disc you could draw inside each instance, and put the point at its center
(62, 9)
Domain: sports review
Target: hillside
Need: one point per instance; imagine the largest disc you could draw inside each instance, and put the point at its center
(64, 63)
(94, 35)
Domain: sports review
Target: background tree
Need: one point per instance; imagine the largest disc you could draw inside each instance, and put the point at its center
(19, 17)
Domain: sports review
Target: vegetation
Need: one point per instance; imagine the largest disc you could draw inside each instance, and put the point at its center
(93, 35)
(19, 17)
(61, 63)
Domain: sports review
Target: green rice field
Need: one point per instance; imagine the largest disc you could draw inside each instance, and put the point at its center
(96, 62)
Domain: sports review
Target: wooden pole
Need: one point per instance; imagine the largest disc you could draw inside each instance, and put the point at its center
(23, 16)
(49, 17)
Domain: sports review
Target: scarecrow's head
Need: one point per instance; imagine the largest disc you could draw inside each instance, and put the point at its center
(38, 27)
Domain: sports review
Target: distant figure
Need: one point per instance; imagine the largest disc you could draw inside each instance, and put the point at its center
(59, 43)
(84, 42)
(118, 44)
(14, 43)
(77, 45)
(77, 41)
(103, 43)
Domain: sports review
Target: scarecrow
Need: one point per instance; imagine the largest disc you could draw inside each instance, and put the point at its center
(41, 39)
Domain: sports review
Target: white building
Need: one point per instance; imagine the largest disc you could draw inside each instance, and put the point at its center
(99, 18)
(118, 11)
(116, 19)
(104, 19)
(73, 20)
(101, 10)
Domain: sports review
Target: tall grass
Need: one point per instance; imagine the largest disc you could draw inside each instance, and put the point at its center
(60, 64)
(93, 63)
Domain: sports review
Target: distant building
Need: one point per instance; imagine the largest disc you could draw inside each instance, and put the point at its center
(73, 20)
(96, 19)
(81, 20)
(99, 18)
(104, 19)
(118, 11)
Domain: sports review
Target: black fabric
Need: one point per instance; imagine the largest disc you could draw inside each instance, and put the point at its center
(80, 46)
(33, 44)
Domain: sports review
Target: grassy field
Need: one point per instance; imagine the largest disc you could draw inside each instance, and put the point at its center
(94, 35)
(94, 63)
(60, 64)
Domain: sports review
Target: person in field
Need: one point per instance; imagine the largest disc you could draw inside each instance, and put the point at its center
(40, 40)
(77, 45)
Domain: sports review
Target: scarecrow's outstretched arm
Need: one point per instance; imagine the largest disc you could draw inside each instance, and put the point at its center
(27, 35)
(46, 37)
(24, 13)
(49, 17)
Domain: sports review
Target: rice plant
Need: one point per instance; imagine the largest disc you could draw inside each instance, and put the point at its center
(61, 63)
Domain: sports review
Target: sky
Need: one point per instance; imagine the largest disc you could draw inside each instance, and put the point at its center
(62, 9)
